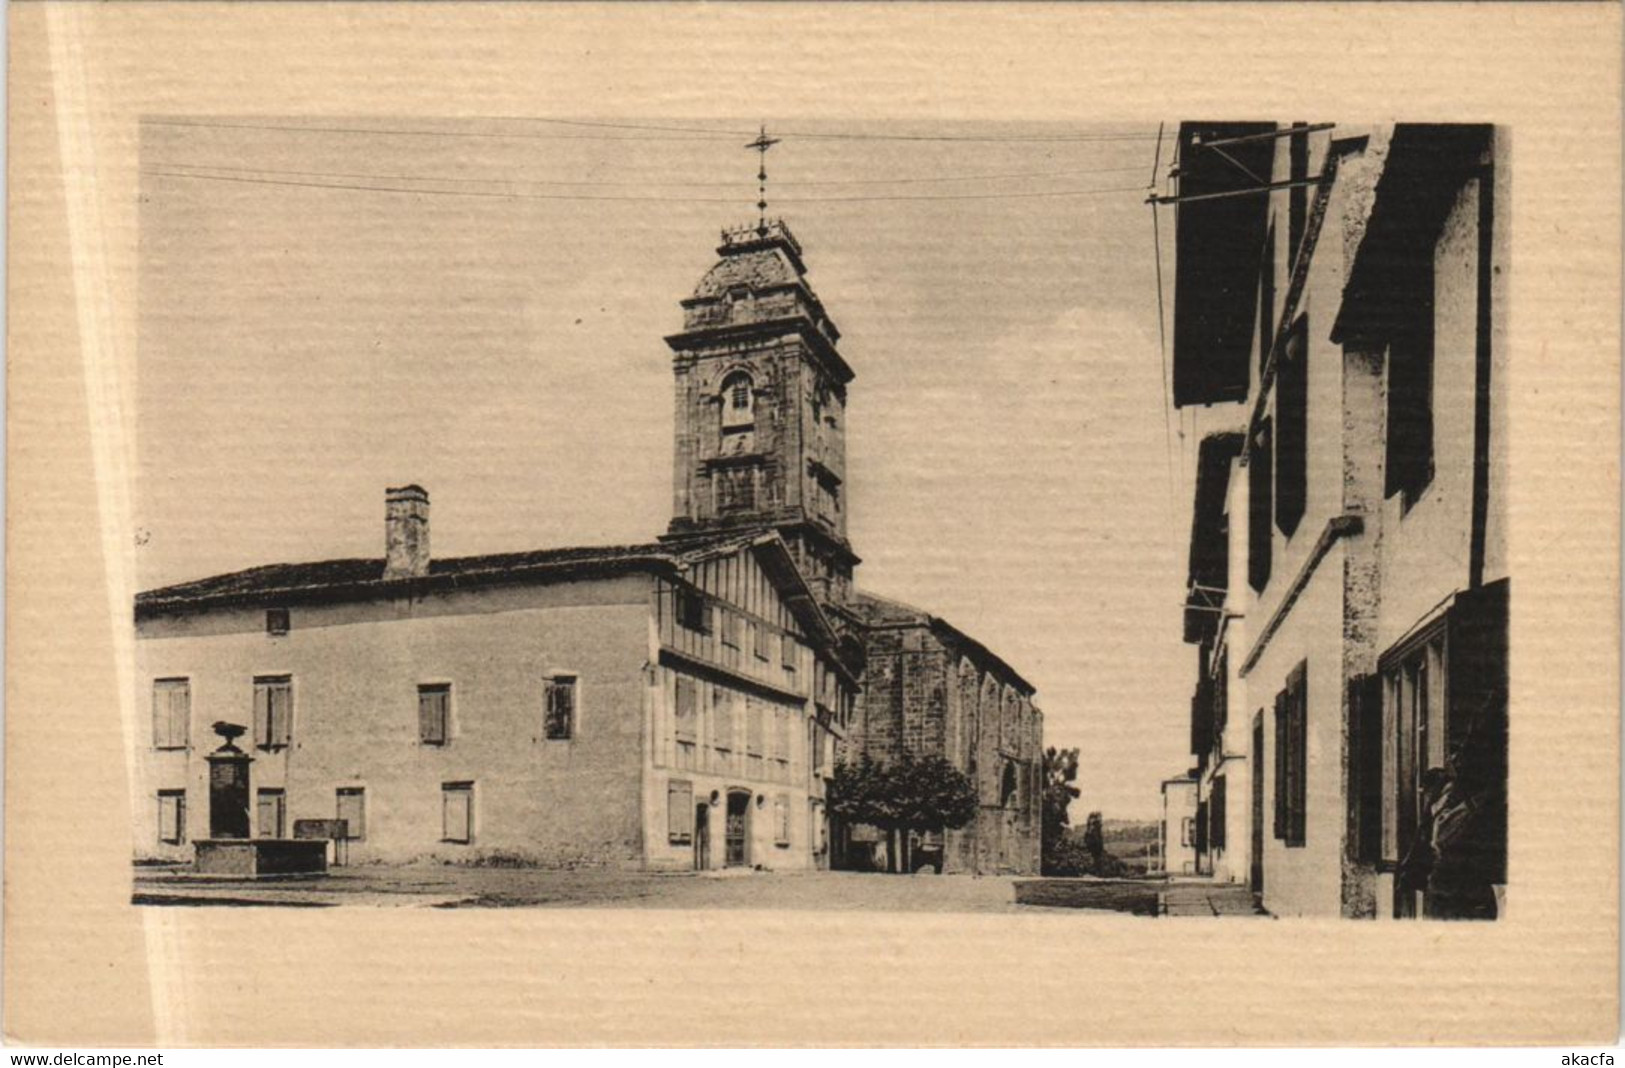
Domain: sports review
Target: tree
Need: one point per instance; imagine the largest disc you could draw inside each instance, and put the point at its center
(910, 794)
(1060, 772)
(1094, 838)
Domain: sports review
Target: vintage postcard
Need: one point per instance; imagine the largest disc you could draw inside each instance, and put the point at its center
(550, 503)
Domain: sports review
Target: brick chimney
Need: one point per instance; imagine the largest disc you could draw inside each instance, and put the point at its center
(406, 532)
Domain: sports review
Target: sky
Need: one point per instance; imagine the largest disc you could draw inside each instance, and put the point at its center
(478, 306)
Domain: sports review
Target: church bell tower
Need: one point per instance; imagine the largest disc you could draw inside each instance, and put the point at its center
(761, 407)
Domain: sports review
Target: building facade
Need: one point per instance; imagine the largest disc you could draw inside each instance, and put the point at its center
(761, 392)
(626, 707)
(1177, 832)
(1339, 319)
(675, 705)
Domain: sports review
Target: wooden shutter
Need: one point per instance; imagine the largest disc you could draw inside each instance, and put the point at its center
(1365, 745)
(687, 708)
(1217, 814)
(457, 812)
(434, 714)
(352, 808)
(1300, 754)
(1280, 764)
(171, 817)
(262, 714)
(753, 728)
(679, 811)
(560, 714)
(787, 651)
(781, 819)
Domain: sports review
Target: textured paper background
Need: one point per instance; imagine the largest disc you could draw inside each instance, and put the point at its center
(82, 966)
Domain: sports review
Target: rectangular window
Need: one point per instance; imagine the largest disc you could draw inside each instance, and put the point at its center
(691, 613)
(172, 816)
(1187, 831)
(781, 734)
(787, 651)
(722, 715)
(728, 623)
(1291, 757)
(559, 721)
(352, 809)
(688, 707)
(679, 812)
(1410, 384)
(781, 820)
(1365, 725)
(271, 810)
(1216, 814)
(760, 640)
(1292, 428)
(276, 621)
(753, 728)
(273, 711)
(1415, 693)
(457, 812)
(434, 713)
(1260, 484)
(171, 713)
(736, 489)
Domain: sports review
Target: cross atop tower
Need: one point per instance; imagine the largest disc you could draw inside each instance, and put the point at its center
(761, 145)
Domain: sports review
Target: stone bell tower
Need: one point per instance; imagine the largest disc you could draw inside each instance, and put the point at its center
(761, 407)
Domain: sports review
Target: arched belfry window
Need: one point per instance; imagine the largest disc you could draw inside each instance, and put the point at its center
(738, 401)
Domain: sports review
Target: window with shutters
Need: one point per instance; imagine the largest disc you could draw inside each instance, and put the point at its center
(781, 820)
(172, 816)
(1291, 428)
(273, 711)
(352, 809)
(691, 610)
(1365, 742)
(271, 813)
(276, 621)
(688, 708)
(679, 812)
(171, 713)
(1216, 814)
(1187, 831)
(787, 651)
(728, 623)
(1291, 757)
(559, 708)
(434, 713)
(1260, 485)
(1409, 461)
(457, 812)
(761, 639)
(781, 735)
(753, 728)
(722, 716)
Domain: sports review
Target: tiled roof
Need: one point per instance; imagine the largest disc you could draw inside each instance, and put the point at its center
(327, 580)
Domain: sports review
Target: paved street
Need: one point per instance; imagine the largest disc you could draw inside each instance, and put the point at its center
(435, 886)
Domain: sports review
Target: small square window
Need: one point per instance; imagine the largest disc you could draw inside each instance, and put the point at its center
(276, 621)
(691, 613)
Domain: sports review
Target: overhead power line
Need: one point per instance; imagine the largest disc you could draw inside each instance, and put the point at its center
(641, 131)
(627, 197)
(644, 183)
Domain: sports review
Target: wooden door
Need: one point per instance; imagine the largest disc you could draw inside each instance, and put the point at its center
(1255, 875)
(737, 838)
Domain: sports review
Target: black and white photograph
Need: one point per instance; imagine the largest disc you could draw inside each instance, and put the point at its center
(736, 526)
(518, 526)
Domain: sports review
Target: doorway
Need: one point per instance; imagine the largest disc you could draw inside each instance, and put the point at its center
(737, 838)
(702, 836)
(1255, 874)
